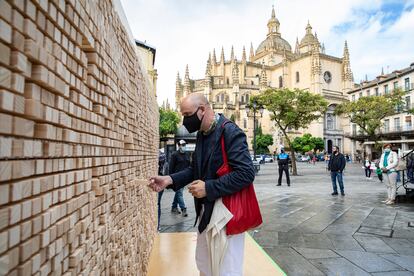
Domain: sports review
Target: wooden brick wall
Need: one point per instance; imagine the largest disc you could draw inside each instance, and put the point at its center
(78, 134)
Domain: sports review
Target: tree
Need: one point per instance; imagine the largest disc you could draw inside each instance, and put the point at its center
(307, 143)
(263, 141)
(368, 112)
(168, 122)
(292, 109)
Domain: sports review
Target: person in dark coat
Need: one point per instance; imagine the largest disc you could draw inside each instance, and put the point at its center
(336, 166)
(201, 176)
(283, 163)
(180, 160)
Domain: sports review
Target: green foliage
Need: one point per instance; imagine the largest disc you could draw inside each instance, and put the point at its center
(232, 118)
(263, 141)
(307, 143)
(168, 122)
(368, 112)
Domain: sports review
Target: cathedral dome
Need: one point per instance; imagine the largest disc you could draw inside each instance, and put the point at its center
(273, 42)
(309, 38)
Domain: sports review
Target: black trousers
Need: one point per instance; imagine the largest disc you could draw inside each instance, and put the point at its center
(283, 168)
(367, 172)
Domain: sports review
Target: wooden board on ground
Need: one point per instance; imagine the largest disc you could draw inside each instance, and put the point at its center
(174, 254)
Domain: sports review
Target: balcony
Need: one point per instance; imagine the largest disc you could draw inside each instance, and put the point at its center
(384, 131)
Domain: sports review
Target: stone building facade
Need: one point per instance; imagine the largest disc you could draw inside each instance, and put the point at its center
(229, 83)
(77, 136)
(397, 129)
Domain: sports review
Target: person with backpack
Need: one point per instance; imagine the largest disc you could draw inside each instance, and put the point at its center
(367, 166)
(388, 163)
(336, 166)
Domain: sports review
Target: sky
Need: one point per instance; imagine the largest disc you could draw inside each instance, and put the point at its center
(380, 34)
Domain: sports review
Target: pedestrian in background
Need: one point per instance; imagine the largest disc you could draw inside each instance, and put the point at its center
(162, 170)
(378, 171)
(388, 162)
(367, 166)
(283, 163)
(180, 160)
(336, 166)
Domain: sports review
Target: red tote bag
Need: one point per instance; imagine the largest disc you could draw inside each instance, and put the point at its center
(243, 204)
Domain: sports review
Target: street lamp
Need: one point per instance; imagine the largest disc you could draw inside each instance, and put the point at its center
(255, 107)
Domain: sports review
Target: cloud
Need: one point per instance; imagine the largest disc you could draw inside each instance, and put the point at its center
(379, 33)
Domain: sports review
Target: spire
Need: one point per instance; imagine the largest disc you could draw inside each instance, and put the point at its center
(323, 48)
(273, 24)
(382, 71)
(235, 72)
(346, 64)
(207, 79)
(209, 57)
(308, 28)
(263, 76)
(186, 81)
(316, 61)
(232, 53)
(251, 52)
(214, 61)
(297, 46)
(178, 90)
(244, 55)
(222, 55)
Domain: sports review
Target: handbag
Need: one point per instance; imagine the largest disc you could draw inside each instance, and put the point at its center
(401, 166)
(242, 204)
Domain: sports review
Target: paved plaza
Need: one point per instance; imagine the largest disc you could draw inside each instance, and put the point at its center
(309, 232)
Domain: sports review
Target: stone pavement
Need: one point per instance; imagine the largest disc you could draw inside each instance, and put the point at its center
(309, 232)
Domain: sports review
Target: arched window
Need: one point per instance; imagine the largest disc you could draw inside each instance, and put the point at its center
(280, 82)
(242, 99)
(297, 77)
(247, 98)
(222, 97)
(252, 82)
(228, 81)
(217, 98)
(330, 118)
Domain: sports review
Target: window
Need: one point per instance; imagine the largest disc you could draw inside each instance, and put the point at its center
(222, 98)
(330, 121)
(386, 89)
(387, 125)
(397, 125)
(368, 93)
(407, 84)
(297, 77)
(354, 129)
(353, 98)
(408, 123)
(395, 85)
(360, 95)
(407, 102)
(376, 91)
(244, 123)
(280, 82)
(252, 82)
(247, 98)
(242, 99)
(217, 98)
(227, 81)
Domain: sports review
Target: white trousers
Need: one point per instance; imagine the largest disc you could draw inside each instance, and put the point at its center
(233, 259)
(391, 182)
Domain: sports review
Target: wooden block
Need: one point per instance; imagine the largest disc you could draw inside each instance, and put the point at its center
(26, 209)
(4, 218)
(18, 61)
(28, 148)
(5, 78)
(4, 193)
(6, 126)
(45, 131)
(30, 10)
(36, 206)
(5, 148)
(4, 241)
(44, 238)
(26, 230)
(22, 168)
(18, 20)
(33, 109)
(32, 91)
(36, 226)
(5, 31)
(4, 264)
(5, 169)
(23, 127)
(14, 236)
(5, 11)
(6, 100)
(31, 49)
(35, 263)
(46, 201)
(15, 213)
(17, 83)
(40, 73)
(25, 250)
(30, 29)
(18, 40)
(17, 149)
(5, 53)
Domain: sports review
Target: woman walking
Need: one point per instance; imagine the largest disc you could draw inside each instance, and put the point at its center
(388, 162)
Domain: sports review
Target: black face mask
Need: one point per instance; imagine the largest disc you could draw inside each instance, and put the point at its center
(192, 123)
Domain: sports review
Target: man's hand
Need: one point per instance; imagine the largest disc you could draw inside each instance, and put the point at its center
(384, 170)
(158, 183)
(198, 189)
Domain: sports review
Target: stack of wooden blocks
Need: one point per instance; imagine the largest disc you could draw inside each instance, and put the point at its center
(77, 138)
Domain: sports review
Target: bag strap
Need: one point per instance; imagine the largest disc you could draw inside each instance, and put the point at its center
(223, 146)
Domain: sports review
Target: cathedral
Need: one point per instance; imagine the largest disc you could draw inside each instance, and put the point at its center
(228, 84)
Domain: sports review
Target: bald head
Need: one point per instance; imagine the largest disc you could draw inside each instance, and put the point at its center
(197, 103)
(194, 100)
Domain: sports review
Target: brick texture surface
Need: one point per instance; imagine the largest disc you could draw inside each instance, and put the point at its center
(77, 138)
